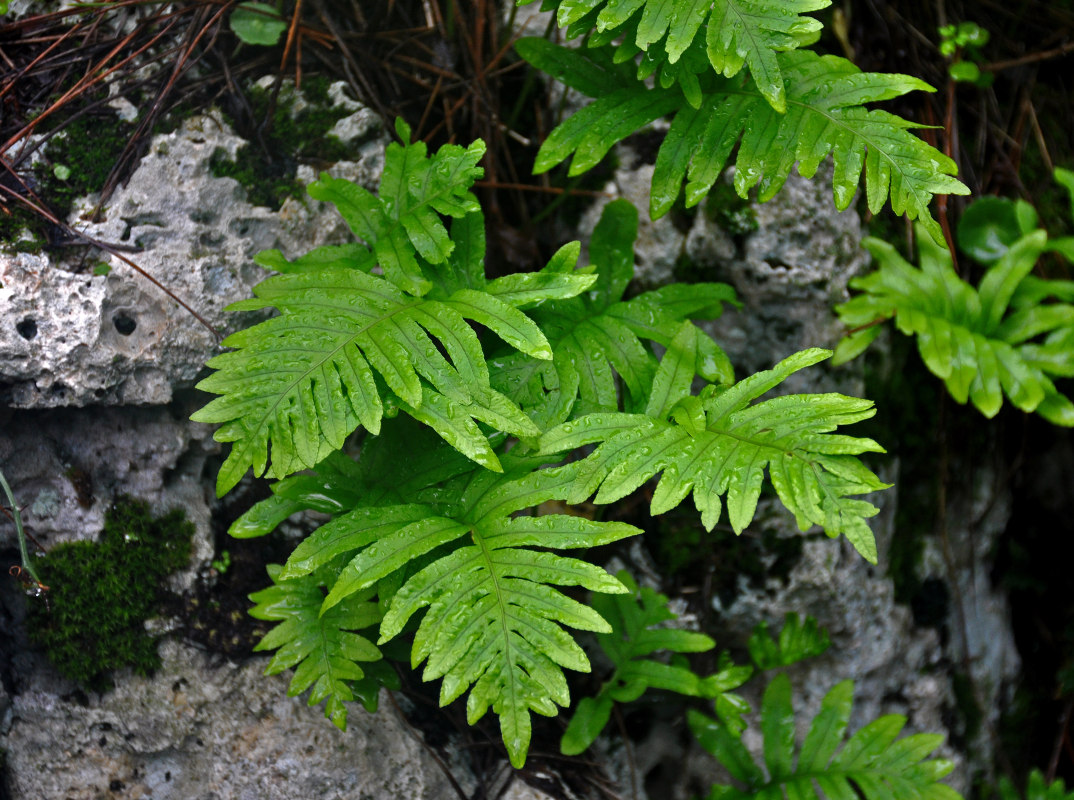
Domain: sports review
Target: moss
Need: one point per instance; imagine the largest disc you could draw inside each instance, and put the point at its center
(731, 212)
(292, 137)
(101, 593)
(21, 231)
(88, 147)
(970, 712)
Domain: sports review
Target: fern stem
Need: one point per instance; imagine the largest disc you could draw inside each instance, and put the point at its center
(16, 517)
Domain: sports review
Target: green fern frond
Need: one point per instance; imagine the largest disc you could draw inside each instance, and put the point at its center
(729, 34)
(797, 641)
(874, 763)
(596, 335)
(1036, 786)
(323, 649)
(824, 114)
(304, 380)
(983, 343)
(493, 620)
(637, 632)
(720, 443)
(414, 189)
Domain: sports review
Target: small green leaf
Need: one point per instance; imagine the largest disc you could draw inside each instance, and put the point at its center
(257, 23)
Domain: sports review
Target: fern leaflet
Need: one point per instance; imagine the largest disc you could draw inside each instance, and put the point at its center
(966, 336)
(493, 619)
(874, 763)
(636, 620)
(726, 34)
(597, 335)
(1037, 788)
(323, 648)
(797, 641)
(719, 443)
(825, 114)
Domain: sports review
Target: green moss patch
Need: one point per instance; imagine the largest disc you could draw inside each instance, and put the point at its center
(290, 138)
(101, 593)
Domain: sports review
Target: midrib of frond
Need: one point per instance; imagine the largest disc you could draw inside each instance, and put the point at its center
(501, 610)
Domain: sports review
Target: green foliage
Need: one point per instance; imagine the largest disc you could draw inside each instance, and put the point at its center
(1036, 789)
(982, 342)
(493, 619)
(436, 531)
(637, 631)
(873, 763)
(682, 38)
(720, 443)
(101, 593)
(797, 641)
(257, 23)
(323, 648)
(597, 335)
(824, 97)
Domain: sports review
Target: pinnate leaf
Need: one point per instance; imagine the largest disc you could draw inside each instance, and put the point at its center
(720, 443)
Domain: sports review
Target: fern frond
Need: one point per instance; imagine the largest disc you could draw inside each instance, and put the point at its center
(983, 343)
(797, 641)
(1037, 788)
(874, 763)
(720, 443)
(323, 649)
(596, 335)
(304, 380)
(493, 619)
(729, 33)
(403, 220)
(824, 114)
(636, 632)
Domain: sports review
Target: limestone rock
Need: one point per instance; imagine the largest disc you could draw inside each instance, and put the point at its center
(72, 337)
(200, 730)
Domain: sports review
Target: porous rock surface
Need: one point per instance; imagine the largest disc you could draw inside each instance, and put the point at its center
(205, 730)
(72, 337)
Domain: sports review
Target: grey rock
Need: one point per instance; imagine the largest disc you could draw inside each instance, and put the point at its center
(66, 466)
(69, 337)
(200, 730)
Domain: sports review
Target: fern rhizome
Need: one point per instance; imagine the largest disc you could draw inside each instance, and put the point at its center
(481, 400)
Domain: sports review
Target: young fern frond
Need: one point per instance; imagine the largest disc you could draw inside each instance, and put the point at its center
(825, 114)
(323, 649)
(597, 335)
(493, 619)
(984, 342)
(873, 764)
(720, 443)
(636, 634)
(726, 34)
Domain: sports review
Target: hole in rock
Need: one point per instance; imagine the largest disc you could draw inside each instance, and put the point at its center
(27, 328)
(124, 323)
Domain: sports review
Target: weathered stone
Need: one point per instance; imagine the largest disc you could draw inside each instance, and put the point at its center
(71, 337)
(204, 730)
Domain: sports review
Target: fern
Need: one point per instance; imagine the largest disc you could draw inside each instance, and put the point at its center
(636, 633)
(983, 343)
(597, 335)
(728, 33)
(348, 343)
(718, 443)
(824, 114)
(493, 620)
(1036, 789)
(873, 764)
(323, 648)
(797, 641)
